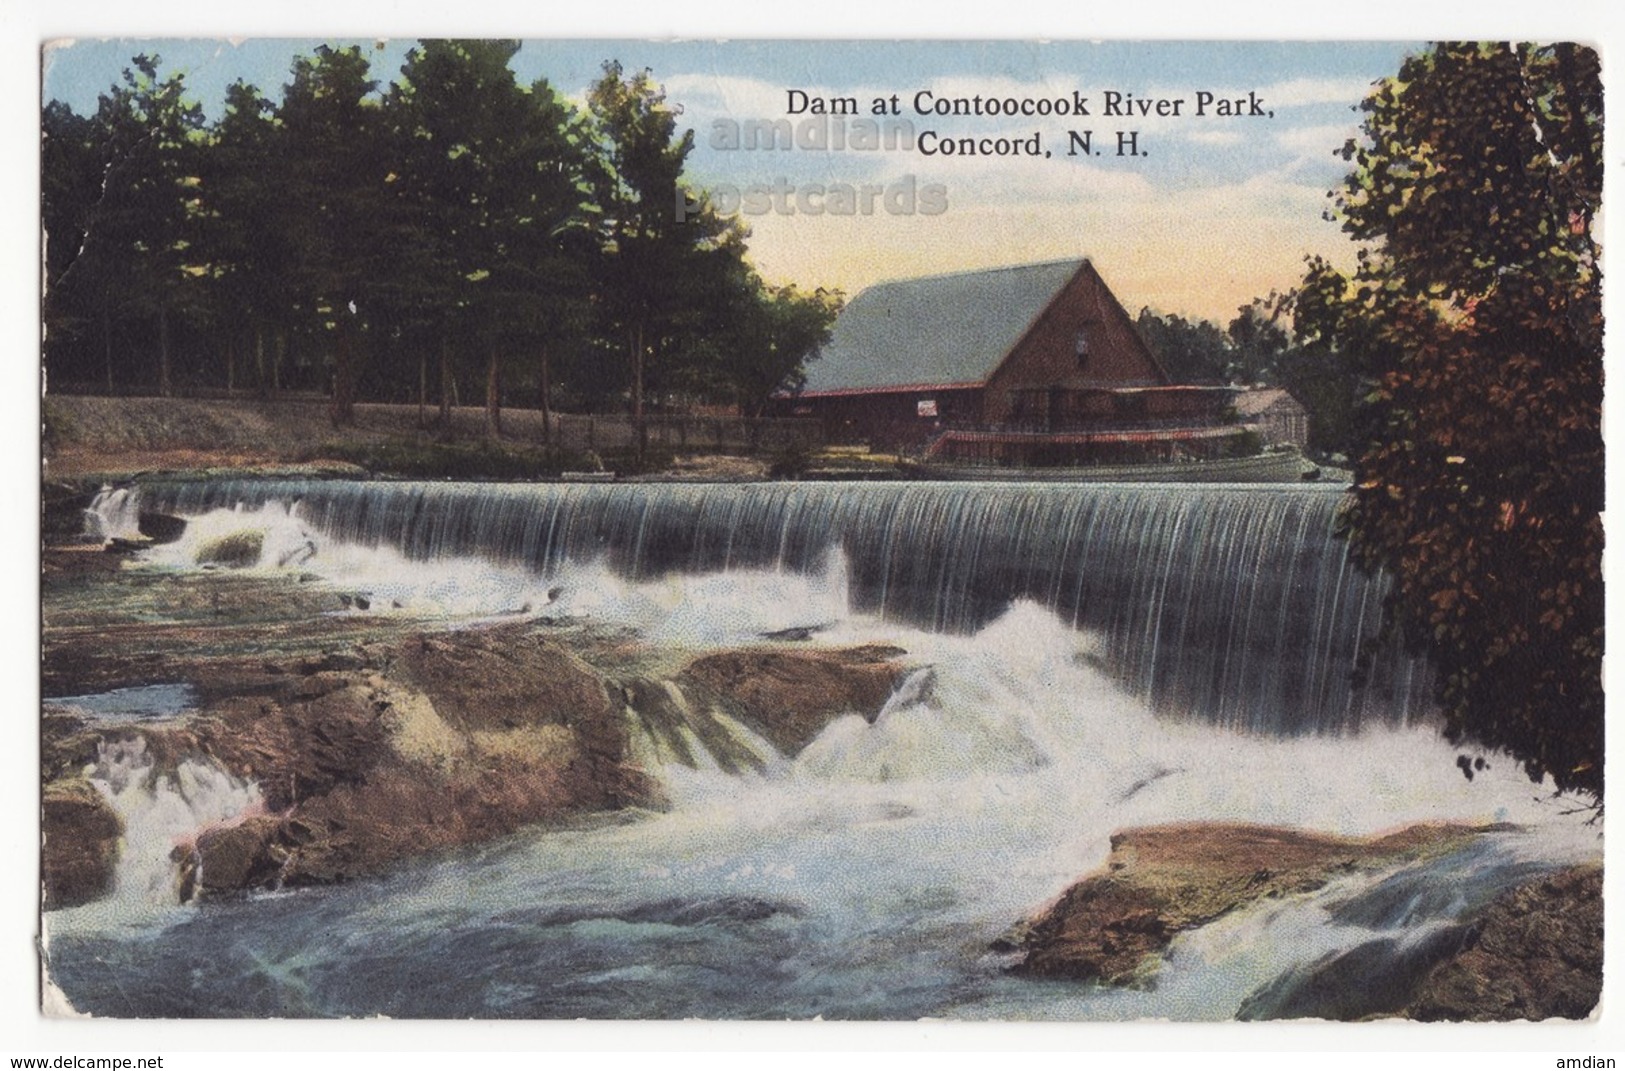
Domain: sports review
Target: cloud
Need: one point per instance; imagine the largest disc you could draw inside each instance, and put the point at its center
(1316, 140)
(1298, 92)
(1216, 137)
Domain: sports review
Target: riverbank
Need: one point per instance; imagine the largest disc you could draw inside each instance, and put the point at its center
(87, 439)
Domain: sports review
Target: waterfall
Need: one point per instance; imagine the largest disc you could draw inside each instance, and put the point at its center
(161, 811)
(1233, 605)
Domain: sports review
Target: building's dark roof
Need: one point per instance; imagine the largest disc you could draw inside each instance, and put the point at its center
(944, 330)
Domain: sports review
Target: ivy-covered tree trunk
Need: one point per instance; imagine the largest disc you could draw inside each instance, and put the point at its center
(107, 345)
(262, 380)
(640, 434)
(423, 387)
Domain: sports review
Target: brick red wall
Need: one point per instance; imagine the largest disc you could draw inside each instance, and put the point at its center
(1047, 356)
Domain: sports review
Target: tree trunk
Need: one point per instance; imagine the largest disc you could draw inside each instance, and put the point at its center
(640, 435)
(345, 368)
(261, 383)
(281, 359)
(547, 399)
(107, 345)
(493, 389)
(447, 384)
(231, 364)
(166, 387)
(423, 386)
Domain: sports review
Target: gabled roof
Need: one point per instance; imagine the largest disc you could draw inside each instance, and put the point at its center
(943, 330)
(1256, 401)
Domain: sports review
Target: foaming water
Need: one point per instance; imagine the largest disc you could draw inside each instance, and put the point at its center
(1235, 605)
(161, 811)
(864, 878)
(868, 875)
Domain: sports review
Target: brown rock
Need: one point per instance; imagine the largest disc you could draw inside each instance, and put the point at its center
(300, 746)
(246, 855)
(236, 550)
(81, 843)
(67, 744)
(1535, 953)
(503, 679)
(789, 696)
(463, 737)
(1161, 880)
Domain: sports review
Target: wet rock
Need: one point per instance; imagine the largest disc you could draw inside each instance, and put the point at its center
(1535, 953)
(67, 744)
(246, 855)
(504, 678)
(236, 550)
(160, 527)
(390, 751)
(297, 747)
(797, 634)
(789, 696)
(1374, 978)
(1160, 881)
(81, 833)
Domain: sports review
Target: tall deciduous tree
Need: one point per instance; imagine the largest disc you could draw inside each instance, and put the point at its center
(1193, 351)
(1474, 192)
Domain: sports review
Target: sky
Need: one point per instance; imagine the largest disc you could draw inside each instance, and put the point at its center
(1199, 212)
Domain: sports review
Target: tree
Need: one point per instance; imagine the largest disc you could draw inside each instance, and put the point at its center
(494, 177)
(70, 187)
(1259, 341)
(128, 253)
(245, 232)
(1474, 192)
(1193, 351)
(648, 277)
(332, 175)
(773, 335)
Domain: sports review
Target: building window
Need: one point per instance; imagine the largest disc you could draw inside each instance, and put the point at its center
(1081, 345)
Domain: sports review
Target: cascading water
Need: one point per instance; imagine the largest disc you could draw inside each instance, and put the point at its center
(867, 876)
(1233, 605)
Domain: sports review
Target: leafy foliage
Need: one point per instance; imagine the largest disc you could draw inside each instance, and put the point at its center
(348, 234)
(1477, 305)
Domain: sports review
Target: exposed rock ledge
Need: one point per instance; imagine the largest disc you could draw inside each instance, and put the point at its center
(1534, 952)
(1159, 881)
(388, 750)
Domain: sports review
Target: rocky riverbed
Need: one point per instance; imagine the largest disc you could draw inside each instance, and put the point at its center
(371, 738)
(1533, 952)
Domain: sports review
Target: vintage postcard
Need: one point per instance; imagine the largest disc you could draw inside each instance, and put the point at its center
(845, 530)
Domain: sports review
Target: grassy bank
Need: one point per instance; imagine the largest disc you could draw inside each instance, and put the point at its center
(89, 438)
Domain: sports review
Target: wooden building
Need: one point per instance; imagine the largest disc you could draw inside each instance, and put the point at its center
(1275, 415)
(1037, 364)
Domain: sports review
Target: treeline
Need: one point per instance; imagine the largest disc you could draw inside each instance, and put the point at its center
(1273, 341)
(455, 237)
